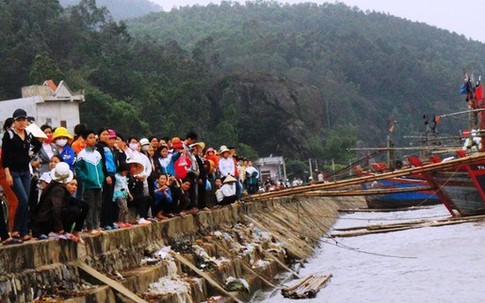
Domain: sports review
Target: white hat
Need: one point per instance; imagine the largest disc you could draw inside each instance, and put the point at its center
(46, 177)
(138, 167)
(36, 131)
(229, 178)
(61, 173)
(223, 149)
(199, 144)
(144, 141)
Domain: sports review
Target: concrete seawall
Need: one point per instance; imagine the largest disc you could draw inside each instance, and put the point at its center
(252, 241)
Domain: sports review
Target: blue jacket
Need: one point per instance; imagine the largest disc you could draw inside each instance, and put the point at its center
(162, 197)
(67, 154)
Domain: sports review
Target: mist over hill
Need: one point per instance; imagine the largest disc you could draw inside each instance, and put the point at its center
(122, 9)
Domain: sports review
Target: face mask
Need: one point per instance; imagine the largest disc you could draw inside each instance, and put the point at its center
(145, 148)
(134, 146)
(61, 142)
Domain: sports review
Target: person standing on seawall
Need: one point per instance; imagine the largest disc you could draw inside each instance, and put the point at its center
(16, 144)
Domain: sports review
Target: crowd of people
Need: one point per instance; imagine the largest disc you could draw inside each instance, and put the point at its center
(100, 180)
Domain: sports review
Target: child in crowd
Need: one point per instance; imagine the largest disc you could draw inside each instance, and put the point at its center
(89, 170)
(61, 138)
(45, 178)
(122, 194)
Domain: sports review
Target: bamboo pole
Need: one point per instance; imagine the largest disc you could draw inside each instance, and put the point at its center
(109, 282)
(397, 148)
(381, 210)
(376, 229)
(376, 226)
(307, 287)
(365, 192)
(298, 284)
(363, 179)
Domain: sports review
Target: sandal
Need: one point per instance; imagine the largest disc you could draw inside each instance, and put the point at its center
(16, 235)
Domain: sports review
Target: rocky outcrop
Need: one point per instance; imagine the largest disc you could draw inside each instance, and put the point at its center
(274, 114)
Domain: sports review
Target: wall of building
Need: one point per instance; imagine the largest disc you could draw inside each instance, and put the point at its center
(9, 106)
(58, 114)
(48, 112)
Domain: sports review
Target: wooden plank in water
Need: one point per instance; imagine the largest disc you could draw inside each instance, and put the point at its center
(381, 210)
(376, 229)
(364, 192)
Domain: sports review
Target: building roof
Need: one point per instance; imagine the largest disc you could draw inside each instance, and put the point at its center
(269, 161)
(51, 85)
(49, 92)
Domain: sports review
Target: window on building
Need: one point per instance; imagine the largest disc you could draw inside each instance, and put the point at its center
(48, 121)
(63, 123)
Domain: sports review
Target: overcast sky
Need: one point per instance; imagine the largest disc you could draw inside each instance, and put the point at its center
(462, 17)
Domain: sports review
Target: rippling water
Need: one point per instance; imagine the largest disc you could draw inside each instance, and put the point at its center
(432, 264)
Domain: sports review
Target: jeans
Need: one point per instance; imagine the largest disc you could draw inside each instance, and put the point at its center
(21, 188)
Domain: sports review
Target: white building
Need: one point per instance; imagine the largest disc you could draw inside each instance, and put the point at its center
(271, 167)
(48, 103)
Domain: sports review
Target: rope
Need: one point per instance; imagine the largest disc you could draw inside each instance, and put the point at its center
(341, 245)
(442, 185)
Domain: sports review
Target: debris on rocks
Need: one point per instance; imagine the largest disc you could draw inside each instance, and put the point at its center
(236, 284)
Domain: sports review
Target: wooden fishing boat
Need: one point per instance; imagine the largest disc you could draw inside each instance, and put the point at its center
(418, 197)
(462, 188)
(396, 196)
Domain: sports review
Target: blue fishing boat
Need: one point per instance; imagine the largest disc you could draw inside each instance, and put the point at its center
(401, 192)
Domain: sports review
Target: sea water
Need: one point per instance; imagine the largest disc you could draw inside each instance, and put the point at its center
(429, 264)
